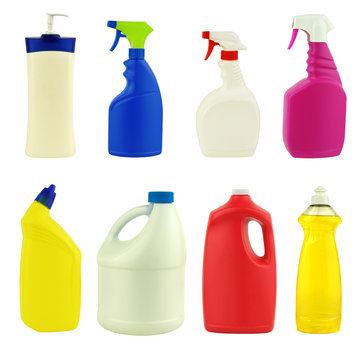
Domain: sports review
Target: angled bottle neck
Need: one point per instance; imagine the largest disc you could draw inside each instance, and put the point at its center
(231, 73)
(321, 63)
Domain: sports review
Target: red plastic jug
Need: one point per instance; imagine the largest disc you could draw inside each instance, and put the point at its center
(239, 287)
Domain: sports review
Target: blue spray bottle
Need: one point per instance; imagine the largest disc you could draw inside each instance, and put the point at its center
(135, 115)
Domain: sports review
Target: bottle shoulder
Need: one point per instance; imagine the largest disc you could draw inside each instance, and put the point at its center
(37, 224)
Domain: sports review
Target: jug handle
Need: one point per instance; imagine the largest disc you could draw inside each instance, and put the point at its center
(126, 218)
(268, 236)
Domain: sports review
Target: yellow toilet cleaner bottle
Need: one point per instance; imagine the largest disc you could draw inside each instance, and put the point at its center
(318, 293)
(50, 275)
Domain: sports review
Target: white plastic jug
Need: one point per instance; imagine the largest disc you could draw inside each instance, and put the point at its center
(141, 281)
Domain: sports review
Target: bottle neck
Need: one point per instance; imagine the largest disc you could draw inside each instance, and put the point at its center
(321, 63)
(231, 73)
(136, 54)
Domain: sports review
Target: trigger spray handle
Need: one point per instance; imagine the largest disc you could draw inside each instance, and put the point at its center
(212, 43)
(118, 35)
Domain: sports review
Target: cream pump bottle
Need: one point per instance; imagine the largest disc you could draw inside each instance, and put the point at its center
(50, 61)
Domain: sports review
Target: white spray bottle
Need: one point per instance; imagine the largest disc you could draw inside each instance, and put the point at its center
(228, 119)
(50, 60)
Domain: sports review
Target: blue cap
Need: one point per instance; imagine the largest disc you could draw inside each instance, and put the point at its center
(47, 196)
(161, 197)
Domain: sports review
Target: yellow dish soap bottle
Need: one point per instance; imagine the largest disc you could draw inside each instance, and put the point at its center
(318, 293)
(50, 273)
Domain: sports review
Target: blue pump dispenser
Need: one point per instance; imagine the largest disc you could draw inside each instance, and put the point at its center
(135, 115)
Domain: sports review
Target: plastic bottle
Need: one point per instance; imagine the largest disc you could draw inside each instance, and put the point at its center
(141, 281)
(50, 61)
(315, 107)
(136, 115)
(318, 293)
(50, 271)
(239, 287)
(228, 119)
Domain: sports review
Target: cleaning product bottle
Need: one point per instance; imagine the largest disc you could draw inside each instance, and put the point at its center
(50, 60)
(228, 119)
(50, 285)
(135, 115)
(239, 287)
(141, 281)
(315, 107)
(318, 293)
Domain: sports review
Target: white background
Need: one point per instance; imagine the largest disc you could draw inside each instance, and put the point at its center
(94, 188)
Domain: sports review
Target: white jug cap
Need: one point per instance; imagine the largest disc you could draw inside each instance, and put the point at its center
(320, 197)
(240, 192)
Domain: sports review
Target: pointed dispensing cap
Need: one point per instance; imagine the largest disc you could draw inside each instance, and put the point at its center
(228, 40)
(135, 31)
(47, 196)
(50, 22)
(316, 27)
(320, 197)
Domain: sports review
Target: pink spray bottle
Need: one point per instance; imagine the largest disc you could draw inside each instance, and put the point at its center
(315, 107)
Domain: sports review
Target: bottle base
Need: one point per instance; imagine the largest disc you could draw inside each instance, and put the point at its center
(136, 155)
(318, 326)
(239, 330)
(224, 154)
(140, 329)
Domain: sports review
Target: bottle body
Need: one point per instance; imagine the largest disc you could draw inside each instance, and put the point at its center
(228, 119)
(50, 274)
(318, 293)
(239, 287)
(141, 281)
(315, 109)
(50, 61)
(136, 115)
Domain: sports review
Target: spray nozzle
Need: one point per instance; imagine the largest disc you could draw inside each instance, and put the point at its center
(228, 40)
(135, 31)
(316, 27)
(50, 22)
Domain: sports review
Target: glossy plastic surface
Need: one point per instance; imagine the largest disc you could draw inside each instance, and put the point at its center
(315, 109)
(228, 119)
(135, 116)
(239, 287)
(141, 281)
(318, 294)
(50, 273)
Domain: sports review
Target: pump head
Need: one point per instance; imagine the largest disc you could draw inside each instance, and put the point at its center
(135, 31)
(316, 27)
(228, 40)
(50, 22)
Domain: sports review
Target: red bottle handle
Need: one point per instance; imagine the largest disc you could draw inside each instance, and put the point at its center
(264, 220)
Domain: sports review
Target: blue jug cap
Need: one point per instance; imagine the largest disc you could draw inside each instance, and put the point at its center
(47, 196)
(161, 197)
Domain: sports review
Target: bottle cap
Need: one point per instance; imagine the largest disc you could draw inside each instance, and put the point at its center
(47, 196)
(161, 197)
(320, 197)
(240, 192)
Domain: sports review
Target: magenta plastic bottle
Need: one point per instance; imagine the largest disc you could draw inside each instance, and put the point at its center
(315, 107)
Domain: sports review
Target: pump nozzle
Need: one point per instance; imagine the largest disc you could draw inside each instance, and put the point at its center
(228, 40)
(50, 22)
(135, 31)
(316, 27)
